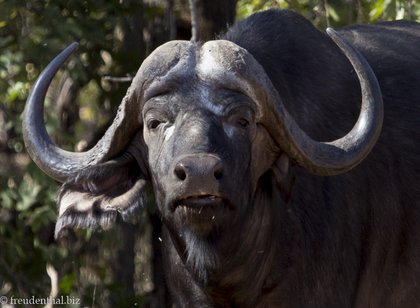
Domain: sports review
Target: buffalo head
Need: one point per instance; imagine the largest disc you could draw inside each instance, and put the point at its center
(203, 124)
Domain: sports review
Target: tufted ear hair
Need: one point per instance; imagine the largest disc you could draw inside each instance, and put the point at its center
(99, 195)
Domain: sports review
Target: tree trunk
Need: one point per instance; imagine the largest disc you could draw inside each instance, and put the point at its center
(214, 17)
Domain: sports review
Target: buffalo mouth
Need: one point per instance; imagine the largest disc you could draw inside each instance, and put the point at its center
(202, 206)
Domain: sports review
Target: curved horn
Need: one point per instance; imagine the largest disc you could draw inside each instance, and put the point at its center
(57, 163)
(341, 155)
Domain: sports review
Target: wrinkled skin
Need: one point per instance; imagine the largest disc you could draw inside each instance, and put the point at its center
(219, 127)
(205, 181)
(190, 133)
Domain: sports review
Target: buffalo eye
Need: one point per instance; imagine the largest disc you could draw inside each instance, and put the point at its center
(242, 122)
(241, 118)
(153, 124)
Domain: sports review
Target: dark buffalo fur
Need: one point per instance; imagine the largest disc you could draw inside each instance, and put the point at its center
(356, 236)
(351, 240)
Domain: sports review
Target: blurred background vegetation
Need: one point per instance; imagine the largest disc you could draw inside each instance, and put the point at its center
(120, 267)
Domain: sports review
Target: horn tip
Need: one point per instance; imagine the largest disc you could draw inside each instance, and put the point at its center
(330, 31)
(73, 46)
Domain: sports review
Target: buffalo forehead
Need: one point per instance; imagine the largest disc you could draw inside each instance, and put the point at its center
(217, 64)
(210, 59)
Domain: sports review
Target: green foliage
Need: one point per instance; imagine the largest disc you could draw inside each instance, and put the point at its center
(394, 9)
(338, 13)
(26, 220)
(31, 34)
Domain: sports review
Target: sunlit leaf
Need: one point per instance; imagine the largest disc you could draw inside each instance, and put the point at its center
(331, 12)
(67, 282)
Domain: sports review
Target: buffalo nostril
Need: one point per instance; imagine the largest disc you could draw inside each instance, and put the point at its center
(199, 168)
(180, 172)
(218, 171)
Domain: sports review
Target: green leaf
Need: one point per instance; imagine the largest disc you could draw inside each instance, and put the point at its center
(331, 12)
(8, 198)
(67, 283)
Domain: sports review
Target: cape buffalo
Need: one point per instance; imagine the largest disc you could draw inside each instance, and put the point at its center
(256, 148)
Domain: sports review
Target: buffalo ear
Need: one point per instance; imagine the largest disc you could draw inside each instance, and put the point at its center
(99, 195)
(284, 176)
